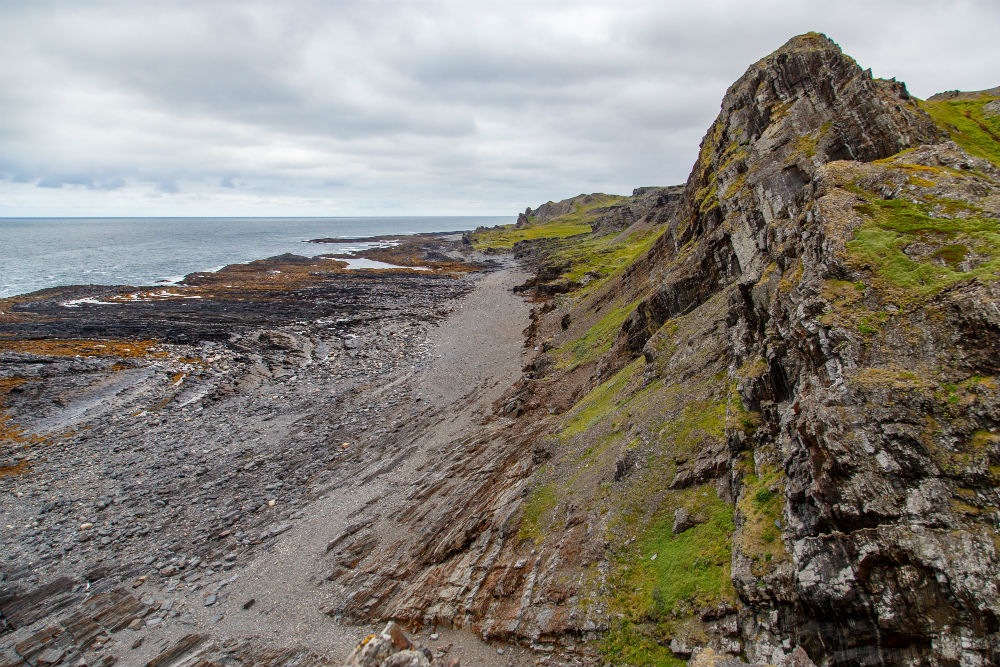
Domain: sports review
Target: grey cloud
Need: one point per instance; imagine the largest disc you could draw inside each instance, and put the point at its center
(55, 181)
(409, 107)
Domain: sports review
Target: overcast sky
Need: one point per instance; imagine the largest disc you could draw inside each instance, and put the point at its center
(392, 108)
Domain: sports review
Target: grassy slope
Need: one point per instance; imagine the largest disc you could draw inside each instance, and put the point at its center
(969, 125)
(655, 424)
(963, 241)
(659, 581)
(571, 224)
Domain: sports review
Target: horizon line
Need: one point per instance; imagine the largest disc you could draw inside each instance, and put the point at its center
(224, 217)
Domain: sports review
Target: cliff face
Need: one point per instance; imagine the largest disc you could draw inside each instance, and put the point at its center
(772, 420)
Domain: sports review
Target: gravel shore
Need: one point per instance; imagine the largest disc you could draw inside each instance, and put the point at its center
(192, 490)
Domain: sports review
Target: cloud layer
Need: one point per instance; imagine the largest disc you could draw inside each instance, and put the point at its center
(319, 108)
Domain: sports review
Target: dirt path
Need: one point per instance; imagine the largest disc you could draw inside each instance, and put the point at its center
(476, 354)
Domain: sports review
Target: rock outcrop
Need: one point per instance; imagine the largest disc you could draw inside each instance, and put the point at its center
(551, 210)
(777, 426)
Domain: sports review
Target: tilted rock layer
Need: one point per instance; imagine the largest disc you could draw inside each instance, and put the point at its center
(777, 426)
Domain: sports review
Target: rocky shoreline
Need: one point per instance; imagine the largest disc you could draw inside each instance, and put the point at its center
(161, 453)
(750, 418)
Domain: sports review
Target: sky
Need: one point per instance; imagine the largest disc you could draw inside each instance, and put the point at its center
(320, 108)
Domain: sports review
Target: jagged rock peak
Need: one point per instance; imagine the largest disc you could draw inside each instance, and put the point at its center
(810, 41)
(810, 82)
(800, 107)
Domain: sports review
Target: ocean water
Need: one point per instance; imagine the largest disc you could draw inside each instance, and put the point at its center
(47, 252)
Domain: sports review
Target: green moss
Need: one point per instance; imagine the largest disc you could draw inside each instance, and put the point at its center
(892, 377)
(753, 368)
(807, 144)
(597, 259)
(953, 254)
(600, 402)
(628, 644)
(707, 197)
(968, 126)
(698, 420)
(543, 500)
(893, 225)
(666, 574)
(504, 238)
(970, 457)
(734, 188)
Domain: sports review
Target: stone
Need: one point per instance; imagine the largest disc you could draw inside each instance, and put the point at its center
(185, 649)
(797, 658)
(682, 520)
(391, 644)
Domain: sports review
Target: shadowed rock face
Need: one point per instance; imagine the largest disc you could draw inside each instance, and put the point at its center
(836, 288)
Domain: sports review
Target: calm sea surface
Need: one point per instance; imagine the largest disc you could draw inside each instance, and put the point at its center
(47, 252)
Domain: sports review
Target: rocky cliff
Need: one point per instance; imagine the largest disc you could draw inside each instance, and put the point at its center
(764, 413)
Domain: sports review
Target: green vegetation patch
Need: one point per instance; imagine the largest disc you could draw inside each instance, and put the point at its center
(598, 338)
(663, 579)
(504, 238)
(599, 258)
(968, 125)
(891, 377)
(629, 644)
(602, 401)
(543, 500)
(571, 224)
(691, 570)
(698, 421)
(971, 456)
(895, 228)
(761, 507)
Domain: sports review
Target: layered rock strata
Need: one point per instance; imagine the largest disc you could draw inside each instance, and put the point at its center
(805, 365)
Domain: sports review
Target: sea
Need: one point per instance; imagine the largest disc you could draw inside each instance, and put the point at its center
(36, 253)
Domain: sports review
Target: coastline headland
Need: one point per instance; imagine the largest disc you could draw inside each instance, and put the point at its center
(754, 417)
